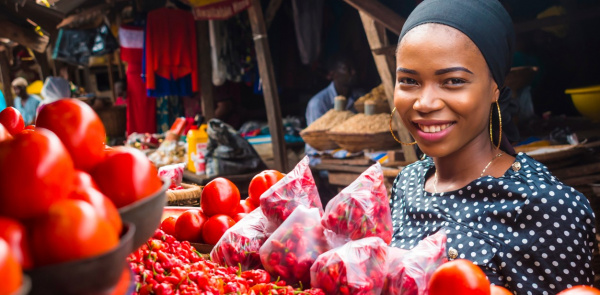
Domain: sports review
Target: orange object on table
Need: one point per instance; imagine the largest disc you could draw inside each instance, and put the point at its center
(178, 126)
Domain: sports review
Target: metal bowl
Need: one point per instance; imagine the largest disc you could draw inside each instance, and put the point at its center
(146, 215)
(92, 276)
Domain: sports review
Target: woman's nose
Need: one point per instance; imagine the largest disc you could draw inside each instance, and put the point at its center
(428, 101)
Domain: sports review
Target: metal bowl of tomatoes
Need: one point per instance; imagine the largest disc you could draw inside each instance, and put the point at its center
(93, 275)
(146, 214)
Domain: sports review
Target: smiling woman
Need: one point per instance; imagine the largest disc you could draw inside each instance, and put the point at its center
(504, 212)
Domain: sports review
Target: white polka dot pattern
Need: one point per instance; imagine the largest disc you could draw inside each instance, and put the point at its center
(527, 230)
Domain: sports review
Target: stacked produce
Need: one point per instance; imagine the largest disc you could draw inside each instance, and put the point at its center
(240, 244)
(376, 96)
(293, 247)
(410, 271)
(167, 266)
(364, 124)
(357, 267)
(316, 133)
(360, 210)
(63, 187)
(296, 188)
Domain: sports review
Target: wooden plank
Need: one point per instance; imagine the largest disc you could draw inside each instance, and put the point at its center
(205, 69)
(111, 78)
(359, 161)
(267, 75)
(272, 11)
(377, 39)
(576, 171)
(582, 180)
(345, 168)
(25, 36)
(380, 13)
(6, 82)
(343, 178)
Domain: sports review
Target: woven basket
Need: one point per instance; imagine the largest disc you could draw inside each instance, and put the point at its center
(381, 107)
(189, 196)
(319, 140)
(362, 141)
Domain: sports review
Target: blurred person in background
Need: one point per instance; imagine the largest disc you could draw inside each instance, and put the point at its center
(25, 103)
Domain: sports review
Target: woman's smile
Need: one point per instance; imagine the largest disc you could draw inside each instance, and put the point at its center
(433, 130)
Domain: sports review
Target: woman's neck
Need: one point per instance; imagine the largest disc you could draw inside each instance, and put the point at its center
(464, 165)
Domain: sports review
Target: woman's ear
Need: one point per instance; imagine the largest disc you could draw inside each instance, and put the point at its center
(496, 94)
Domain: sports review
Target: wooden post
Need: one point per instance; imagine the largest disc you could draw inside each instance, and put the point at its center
(205, 69)
(6, 82)
(380, 13)
(111, 78)
(376, 36)
(267, 75)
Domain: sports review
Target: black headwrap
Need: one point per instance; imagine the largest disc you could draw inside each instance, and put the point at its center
(490, 27)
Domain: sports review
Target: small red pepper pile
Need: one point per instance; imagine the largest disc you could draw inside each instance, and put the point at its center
(165, 266)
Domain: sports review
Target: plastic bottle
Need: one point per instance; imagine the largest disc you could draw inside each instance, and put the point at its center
(197, 140)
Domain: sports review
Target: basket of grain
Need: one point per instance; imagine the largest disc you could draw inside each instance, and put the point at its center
(363, 132)
(377, 95)
(189, 195)
(316, 133)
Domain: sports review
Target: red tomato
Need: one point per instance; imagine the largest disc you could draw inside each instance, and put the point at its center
(497, 290)
(245, 206)
(189, 226)
(215, 227)
(85, 189)
(220, 196)
(72, 230)
(29, 127)
(126, 175)
(4, 134)
(580, 290)
(239, 217)
(38, 171)
(15, 234)
(260, 183)
(79, 128)
(168, 225)
(12, 120)
(10, 270)
(459, 276)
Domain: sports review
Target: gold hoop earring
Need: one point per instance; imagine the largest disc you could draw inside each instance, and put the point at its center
(491, 131)
(392, 131)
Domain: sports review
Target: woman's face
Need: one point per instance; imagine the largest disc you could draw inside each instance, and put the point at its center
(444, 89)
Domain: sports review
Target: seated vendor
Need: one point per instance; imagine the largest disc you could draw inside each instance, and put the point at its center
(342, 76)
(24, 102)
(504, 211)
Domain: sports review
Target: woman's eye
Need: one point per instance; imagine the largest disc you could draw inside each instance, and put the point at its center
(407, 81)
(455, 81)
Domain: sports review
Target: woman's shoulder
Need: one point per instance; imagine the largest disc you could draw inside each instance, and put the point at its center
(533, 179)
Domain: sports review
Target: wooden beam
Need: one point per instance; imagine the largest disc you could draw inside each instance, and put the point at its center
(267, 75)
(205, 69)
(42, 60)
(380, 13)
(376, 37)
(5, 75)
(272, 11)
(111, 77)
(24, 36)
(87, 19)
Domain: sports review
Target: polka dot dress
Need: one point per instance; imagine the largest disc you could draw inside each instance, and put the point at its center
(527, 230)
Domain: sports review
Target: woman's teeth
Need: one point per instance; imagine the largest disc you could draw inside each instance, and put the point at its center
(433, 128)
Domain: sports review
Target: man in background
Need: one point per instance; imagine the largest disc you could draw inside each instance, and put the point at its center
(25, 103)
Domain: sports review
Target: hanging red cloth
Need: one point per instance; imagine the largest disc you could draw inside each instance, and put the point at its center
(141, 110)
(171, 46)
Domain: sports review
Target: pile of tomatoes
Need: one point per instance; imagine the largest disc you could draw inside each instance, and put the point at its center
(220, 208)
(61, 188)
